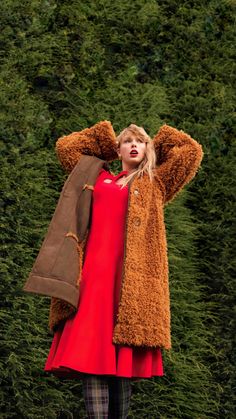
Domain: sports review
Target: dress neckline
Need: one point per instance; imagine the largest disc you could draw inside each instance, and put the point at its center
(123, 172)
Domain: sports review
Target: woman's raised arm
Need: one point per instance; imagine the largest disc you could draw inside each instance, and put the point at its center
(99, 141)
(178, 158)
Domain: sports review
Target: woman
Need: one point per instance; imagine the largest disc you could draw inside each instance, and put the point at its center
(123, 318)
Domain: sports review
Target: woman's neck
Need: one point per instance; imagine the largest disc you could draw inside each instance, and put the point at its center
(128, 169)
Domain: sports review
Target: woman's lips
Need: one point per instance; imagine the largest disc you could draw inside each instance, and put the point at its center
(133, 154)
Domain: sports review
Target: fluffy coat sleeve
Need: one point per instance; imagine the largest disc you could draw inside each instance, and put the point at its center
(178, 159)
(98, 140)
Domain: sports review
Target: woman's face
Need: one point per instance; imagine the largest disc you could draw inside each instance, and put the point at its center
(131, 150)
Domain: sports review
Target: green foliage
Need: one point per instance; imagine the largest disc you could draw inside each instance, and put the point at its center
(65, 66)
(216, 250)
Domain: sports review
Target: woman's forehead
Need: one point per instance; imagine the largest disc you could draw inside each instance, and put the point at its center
(131, 136)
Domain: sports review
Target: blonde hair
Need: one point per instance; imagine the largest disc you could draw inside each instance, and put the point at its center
(149, 161)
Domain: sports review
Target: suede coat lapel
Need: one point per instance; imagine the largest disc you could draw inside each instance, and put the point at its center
(56, 270)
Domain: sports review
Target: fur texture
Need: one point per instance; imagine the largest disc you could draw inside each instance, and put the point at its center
(99, 141)
(144, 309)
(60, 310)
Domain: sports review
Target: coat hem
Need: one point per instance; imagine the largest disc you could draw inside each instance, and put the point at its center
(118, 340)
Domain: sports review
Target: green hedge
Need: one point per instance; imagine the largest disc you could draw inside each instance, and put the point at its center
(65, 66)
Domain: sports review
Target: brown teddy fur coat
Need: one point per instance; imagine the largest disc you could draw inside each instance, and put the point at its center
(144, 308)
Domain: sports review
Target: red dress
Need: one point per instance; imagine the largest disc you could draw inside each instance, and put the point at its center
(85, 343)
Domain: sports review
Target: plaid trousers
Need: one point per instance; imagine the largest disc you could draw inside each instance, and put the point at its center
(106, 397)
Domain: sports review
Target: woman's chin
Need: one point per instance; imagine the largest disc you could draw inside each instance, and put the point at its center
(133, 162)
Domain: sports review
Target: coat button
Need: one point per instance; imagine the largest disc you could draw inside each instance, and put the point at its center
(136, 221)
(136, 192)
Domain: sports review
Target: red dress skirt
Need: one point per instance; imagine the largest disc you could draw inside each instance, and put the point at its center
(84, 345)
